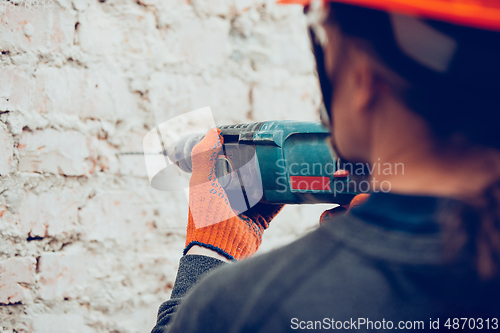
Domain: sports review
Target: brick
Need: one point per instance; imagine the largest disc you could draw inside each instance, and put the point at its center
(125, 40)
(144, 316)
(296, 99)
(172, 95)
(94, 93)
(6, 150)
(292, 222)
(103, 156)
(130, 215)
(170, 13)
(167, 4)
(62, 275)
(271, 45)
(244, 5)
(113, 215)
(59, 90)
(81, 5)
(15, 92)
(49, 213)
(100, 33)
(286, 47)
(199, 43)
(36, 30)
(133, 165)
(52, 151)
(60, 323)
(213, 7)
(13, 272)
(290, 14)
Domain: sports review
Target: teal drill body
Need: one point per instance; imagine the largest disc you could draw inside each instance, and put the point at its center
(295, 162)
(276, 162)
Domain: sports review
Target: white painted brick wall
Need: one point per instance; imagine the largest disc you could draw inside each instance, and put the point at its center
(86, 245)
(15, 275)
(54, 151)
(6, 150)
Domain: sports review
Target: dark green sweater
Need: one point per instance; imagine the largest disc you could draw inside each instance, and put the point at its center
(380, 265)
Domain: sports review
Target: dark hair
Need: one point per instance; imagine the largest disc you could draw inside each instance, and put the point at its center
(461, 101)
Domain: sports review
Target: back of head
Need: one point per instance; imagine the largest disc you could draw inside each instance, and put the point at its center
(453, 72)
(452, 80)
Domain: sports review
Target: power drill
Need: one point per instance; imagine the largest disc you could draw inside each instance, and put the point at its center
(274, 162)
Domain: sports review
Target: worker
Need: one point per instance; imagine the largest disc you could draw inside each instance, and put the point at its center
(403, 81)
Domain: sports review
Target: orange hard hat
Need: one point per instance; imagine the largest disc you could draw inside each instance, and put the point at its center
(482, 14)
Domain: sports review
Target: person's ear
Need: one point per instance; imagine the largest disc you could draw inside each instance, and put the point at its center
(333, 50)
(365, 83)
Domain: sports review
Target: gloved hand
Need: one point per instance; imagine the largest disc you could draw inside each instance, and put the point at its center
(340, 210)
(211, 222)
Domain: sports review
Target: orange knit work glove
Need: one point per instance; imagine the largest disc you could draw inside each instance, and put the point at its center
(340, 210)
(211, 222)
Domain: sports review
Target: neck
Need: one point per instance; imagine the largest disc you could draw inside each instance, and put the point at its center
(410, 161)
